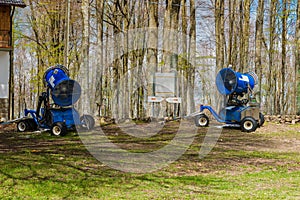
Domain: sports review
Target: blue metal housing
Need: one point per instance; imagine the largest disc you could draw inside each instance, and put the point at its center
(229, 81)
(69, 116)
(228, 115)
(64, 91)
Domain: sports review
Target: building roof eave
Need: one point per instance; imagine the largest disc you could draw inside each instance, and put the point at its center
(17, 3)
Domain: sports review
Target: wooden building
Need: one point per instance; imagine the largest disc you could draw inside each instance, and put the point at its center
(7, 8)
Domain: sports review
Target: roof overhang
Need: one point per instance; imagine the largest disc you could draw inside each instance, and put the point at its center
(17, 3)
(6, 49)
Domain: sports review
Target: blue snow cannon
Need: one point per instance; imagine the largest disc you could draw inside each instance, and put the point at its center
(59, 116)
(64, 91)
(229, 81)
(241, 109)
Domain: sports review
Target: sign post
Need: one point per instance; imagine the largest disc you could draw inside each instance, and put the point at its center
(165, 92)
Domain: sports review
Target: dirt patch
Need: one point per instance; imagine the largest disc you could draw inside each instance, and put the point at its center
(284, 137)
(8, 127)
(266, 138)
(234, 152)
(272, 147)
(276, 127)
(271, 137)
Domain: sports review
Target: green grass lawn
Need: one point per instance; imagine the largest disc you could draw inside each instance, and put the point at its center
(260, 165)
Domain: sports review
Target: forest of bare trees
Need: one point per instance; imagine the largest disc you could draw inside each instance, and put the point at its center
(114, 48)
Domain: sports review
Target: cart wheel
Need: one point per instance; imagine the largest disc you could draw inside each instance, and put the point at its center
(32, 126)
(261, 119)
(201, 120)
(87, 122)
(59, 129)
(249, 124)
(22, 126)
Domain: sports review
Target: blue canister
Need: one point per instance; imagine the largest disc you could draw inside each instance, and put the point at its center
(229, 81)
(64, 91)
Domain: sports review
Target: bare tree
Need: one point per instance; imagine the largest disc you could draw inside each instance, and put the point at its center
(297, 59)
(259, 43)
(100, 45)
(219, 32)
(244, 39)
(84, 67)
(232, 40)
(281, 108)
(270, 91)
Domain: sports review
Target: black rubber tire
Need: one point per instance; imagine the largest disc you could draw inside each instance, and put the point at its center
(201, 120)
(32, 126)
(22, 126)
(249, 124)
(261, 119)
(87, 121)
(59, 129)
(27, 125)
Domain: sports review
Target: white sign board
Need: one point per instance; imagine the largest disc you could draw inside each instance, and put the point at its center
(174, 100)
(165, 84)
(4, 74)
(153, 99)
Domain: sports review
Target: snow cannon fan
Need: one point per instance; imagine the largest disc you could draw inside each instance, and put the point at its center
(64, 91)
(241, 112)
(230, 82)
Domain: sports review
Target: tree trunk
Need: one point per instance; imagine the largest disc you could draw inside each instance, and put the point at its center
(259, 43)
(166, 40)
(192, 59)
(246, 33)
(152, 48)
(270, 95)
(235, 61)
(99, 63)
(182, 68)
(241, 35)
(231, 58)
(282, 106)
(84, 67)
(219, 31)
(297, 60)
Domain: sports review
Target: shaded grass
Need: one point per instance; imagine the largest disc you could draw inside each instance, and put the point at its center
(39, 166)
